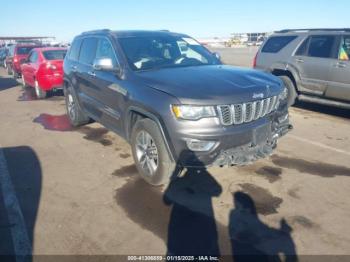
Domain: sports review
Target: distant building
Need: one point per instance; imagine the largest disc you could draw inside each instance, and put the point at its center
(214, 41)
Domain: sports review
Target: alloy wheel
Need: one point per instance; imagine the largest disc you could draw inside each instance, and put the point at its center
(71, 106)
(147, 153)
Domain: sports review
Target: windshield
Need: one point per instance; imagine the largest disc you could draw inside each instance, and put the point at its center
(55, 54)
(156, 52)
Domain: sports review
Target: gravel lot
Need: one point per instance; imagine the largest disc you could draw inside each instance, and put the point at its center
(79, 193)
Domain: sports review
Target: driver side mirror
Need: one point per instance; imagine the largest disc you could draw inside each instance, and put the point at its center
(105, 64)
(217, 56)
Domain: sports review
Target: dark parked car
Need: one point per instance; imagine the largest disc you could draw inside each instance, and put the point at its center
(173, 100)
(3, 54)
(314, 64)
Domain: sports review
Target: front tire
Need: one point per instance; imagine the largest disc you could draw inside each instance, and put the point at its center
(150, 153)
(292, 93)
(75, 113)
(40, 94)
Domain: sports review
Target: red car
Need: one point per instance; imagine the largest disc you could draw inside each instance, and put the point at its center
(43, 69)
(17, 54)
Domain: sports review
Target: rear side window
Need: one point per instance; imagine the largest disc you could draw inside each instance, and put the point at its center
(74, 50)
(54, 54)
(88, 51)
(302, 50)
(321, 46)
(33, 57)
(276, 43)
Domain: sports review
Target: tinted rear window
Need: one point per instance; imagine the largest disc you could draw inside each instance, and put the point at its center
(88, 51)
(55, 54)
(24, 50)
(303, 47)
(276, 43)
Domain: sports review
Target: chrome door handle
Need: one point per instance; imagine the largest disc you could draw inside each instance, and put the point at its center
(90, 73)
(340, 65)
(74, 68)
(299, 60)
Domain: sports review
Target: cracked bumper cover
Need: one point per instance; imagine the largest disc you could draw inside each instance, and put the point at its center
(243, 146)
(251, 152)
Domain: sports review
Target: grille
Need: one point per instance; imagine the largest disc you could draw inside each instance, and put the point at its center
(246, 112)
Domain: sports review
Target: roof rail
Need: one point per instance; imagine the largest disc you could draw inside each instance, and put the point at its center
(313, 29)
(96, 31)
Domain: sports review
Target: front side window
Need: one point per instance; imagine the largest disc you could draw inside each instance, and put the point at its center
(344, 50)
(321, 46)
(277, 43)
(105, 50)
(164, 51)
(88, 51)
(302, 50)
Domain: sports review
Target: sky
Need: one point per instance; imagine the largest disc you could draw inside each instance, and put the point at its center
(207, 18)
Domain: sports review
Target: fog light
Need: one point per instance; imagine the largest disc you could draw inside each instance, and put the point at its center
(200, 145)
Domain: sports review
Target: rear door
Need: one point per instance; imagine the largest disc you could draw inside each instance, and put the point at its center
(84, 75)
(30, 68)
(339, 85)
(314, 63)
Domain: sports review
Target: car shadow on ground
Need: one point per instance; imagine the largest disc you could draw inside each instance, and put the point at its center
(183, 216)
(26, 177)
(7, 83)
(323, 109)
(28, 94)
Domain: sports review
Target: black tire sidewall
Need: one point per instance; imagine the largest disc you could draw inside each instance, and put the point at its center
(292, 94)
(165, 166)
(80, 118)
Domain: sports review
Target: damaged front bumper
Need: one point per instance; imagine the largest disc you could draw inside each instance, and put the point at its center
(238, 145)
(251, 152)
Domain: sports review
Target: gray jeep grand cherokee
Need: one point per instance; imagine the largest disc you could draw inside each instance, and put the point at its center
(173, 100)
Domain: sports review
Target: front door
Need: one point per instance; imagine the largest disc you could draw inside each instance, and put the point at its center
(108, 88)
(314, 67)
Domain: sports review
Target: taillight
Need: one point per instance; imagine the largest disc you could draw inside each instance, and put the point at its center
(15, 59)
(51, 66)
(255, 58)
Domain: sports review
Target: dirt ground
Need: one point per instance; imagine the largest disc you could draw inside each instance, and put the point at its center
(79, 192)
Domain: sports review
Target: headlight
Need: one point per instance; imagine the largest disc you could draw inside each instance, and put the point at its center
(193, 112)
(283, 95)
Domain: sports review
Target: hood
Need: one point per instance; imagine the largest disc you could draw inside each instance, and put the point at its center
(211, 85)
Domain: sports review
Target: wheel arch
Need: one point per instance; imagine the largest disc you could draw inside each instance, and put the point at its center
(135, 113)
(286, 72)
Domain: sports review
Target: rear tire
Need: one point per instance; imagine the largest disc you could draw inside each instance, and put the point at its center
(24, 85)
(15, 75)
(9, 70)
(40, 94)
(165, 167)
(292, 93)
(75, 114)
